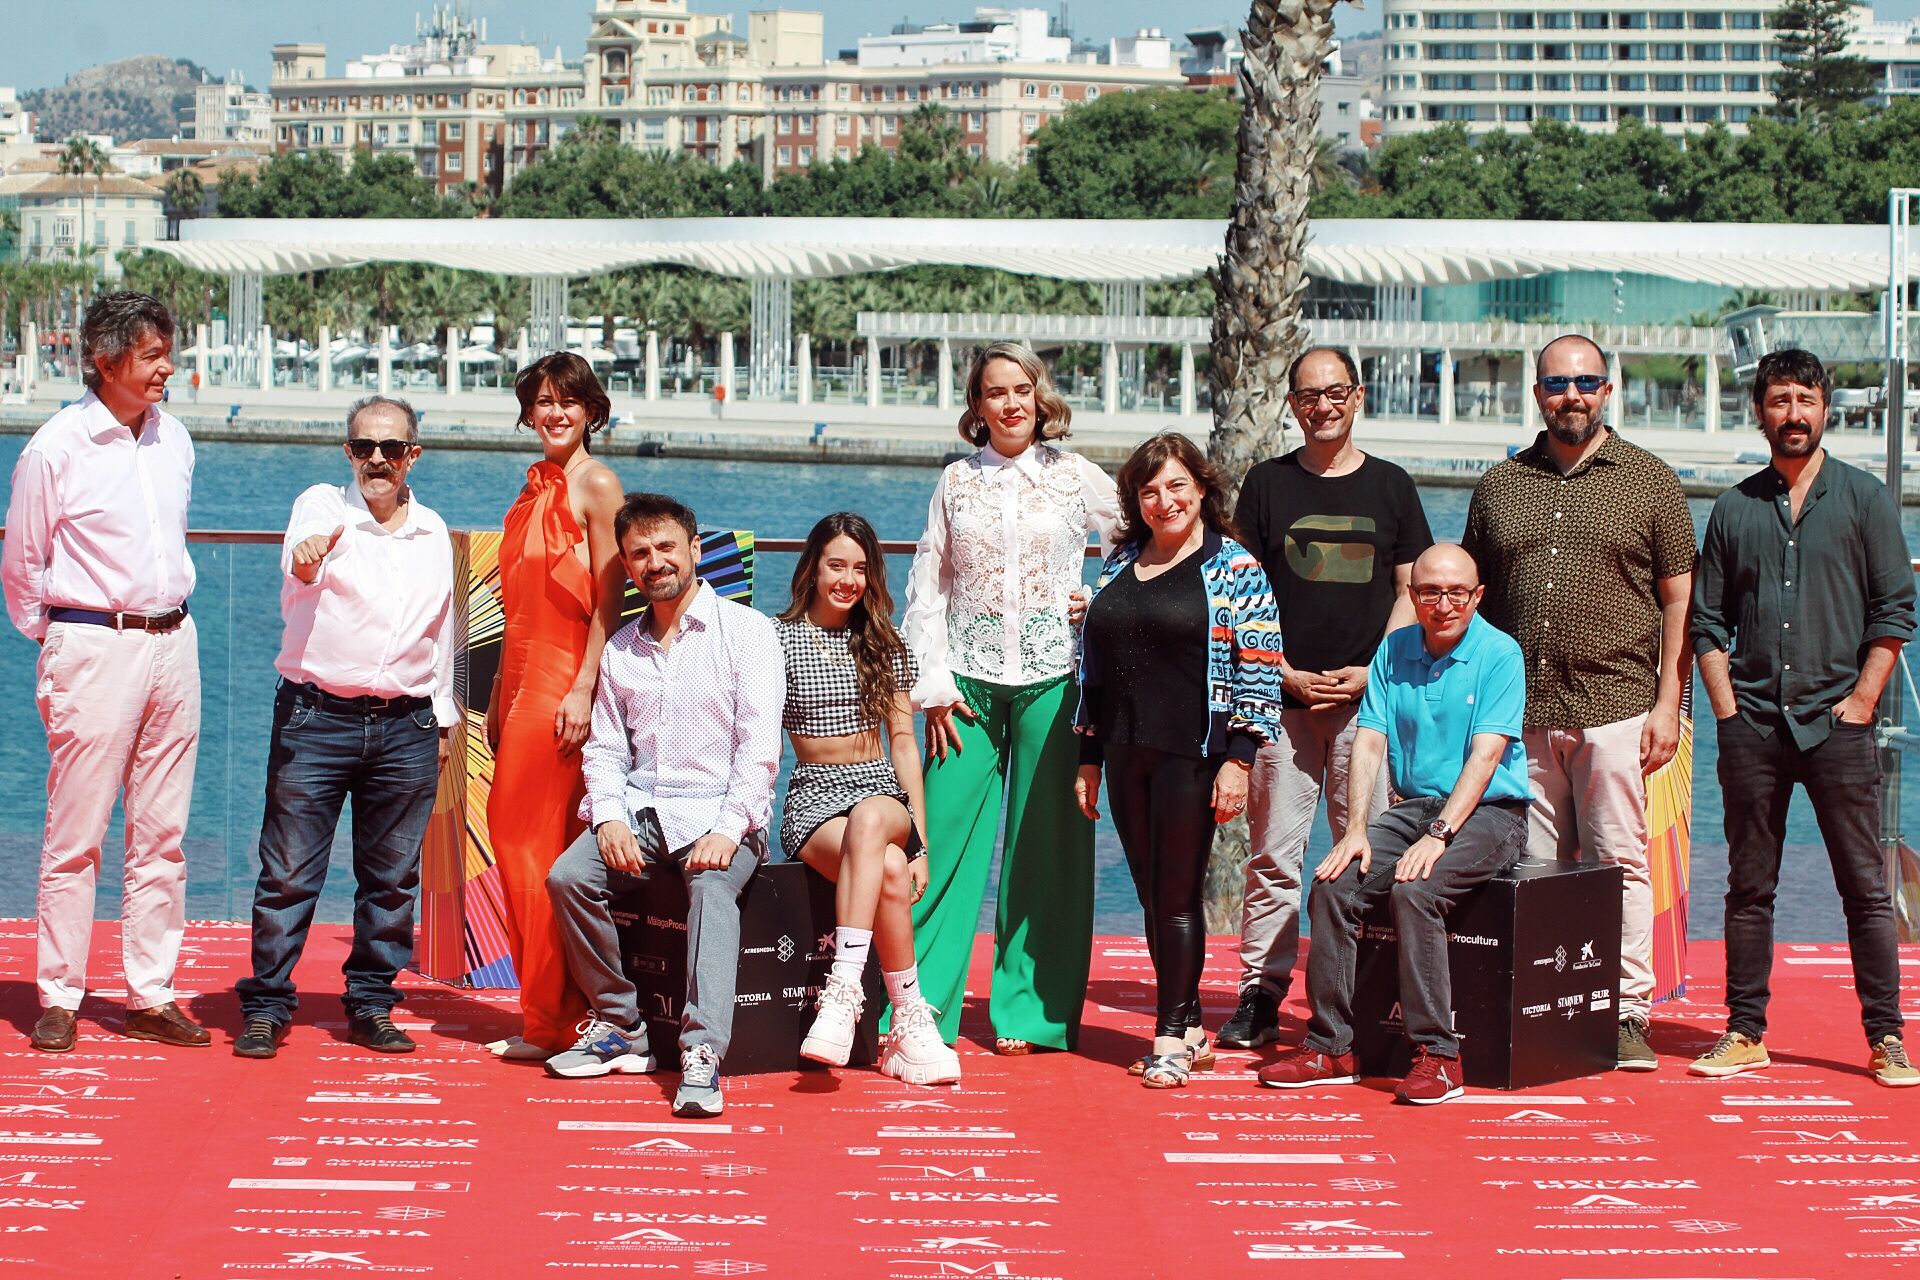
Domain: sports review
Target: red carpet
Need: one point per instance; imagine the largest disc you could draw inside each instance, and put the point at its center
(126, 1159)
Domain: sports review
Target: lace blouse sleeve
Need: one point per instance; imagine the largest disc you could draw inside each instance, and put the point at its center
(929, 589)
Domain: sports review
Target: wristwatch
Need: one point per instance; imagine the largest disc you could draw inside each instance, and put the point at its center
(1441, 830)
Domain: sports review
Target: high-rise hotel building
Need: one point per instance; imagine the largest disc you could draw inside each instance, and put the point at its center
(1675, 64)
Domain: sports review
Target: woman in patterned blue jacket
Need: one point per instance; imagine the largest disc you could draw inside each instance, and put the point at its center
(1179, 685)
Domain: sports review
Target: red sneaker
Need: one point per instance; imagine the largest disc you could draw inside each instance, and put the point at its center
(1431, 1079)
(1305, 1068)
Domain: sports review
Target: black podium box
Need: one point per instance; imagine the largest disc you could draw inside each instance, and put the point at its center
(1535, 957)
(786, 949)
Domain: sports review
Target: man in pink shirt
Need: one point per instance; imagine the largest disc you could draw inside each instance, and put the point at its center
(95, 569)
(365, 711)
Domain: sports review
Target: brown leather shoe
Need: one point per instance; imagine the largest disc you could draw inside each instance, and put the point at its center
(54, 1032)
(168, 1025)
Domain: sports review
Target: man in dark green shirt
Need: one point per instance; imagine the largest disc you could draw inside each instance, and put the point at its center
(1802, 599)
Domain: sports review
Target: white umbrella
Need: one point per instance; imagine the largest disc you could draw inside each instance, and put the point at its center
(197, 351)
(595, 355)
(478, 355)
(352, 351)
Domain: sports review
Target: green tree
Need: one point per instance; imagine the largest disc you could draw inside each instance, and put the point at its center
(180, 288)
(1161, 153)
(80, 157)
(609, 295)
(186, 194)
(598, 177)
(509, 300)
(1816, 73)
(314, 185)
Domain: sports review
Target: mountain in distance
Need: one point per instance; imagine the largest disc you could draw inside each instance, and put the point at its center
(146, 96)
(1365, 55)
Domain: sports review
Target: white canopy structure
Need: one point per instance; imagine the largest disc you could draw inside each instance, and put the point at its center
(1124, 255)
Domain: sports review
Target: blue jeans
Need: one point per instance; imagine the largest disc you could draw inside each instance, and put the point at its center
(389, 765)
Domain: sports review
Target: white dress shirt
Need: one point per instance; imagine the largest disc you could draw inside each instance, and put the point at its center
(97, 518)
(692, 731)
(378, 618)
(1005, 546)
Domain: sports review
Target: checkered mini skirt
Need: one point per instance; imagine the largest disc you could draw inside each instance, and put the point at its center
(819, 793)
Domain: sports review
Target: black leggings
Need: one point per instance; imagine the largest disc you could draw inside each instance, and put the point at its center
(1163, 807)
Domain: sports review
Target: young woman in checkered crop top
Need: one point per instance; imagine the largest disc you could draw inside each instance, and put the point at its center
(854, 803)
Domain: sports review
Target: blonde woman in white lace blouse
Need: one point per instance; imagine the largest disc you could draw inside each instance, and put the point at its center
(986, 619)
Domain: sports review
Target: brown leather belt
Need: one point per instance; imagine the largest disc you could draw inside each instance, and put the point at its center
(120, 621)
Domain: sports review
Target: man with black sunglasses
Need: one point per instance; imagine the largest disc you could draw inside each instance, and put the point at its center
(1337, 531)
(365, 709)
(1586, 547)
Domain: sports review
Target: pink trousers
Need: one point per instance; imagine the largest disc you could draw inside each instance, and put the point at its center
(122, 712)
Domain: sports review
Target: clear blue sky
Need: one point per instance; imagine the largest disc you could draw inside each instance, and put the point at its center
(239, 33)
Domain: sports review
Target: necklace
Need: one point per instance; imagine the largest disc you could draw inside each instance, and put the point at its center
(830, 643)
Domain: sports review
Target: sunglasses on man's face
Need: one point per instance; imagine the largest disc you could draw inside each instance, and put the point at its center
(1586, 383)
(391, 450)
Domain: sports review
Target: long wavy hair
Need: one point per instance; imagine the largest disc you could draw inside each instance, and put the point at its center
(1145, 463)
(1052, 415)
(871, 635)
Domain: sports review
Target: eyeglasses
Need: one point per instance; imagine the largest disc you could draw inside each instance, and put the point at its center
(391, 450)
(1337, 394)
(1586, 383)
(1456, 596)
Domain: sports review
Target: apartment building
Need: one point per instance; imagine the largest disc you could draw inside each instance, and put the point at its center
(16, 130)
(441, 101)
(1675, 64)
(227, 111)
(64, 217)
(674, 81)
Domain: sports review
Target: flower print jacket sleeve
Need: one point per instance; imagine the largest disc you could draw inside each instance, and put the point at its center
(1254, 719)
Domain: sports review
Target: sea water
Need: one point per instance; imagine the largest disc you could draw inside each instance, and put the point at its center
(236, 607)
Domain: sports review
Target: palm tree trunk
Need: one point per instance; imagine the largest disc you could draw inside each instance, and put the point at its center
(1259, 288)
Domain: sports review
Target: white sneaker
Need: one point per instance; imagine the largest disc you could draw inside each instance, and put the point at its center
(914, 1051)
(514, 1049)
(830, 1039)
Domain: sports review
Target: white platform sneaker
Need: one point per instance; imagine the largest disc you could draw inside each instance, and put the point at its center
(914, 1051)
(830, 1038)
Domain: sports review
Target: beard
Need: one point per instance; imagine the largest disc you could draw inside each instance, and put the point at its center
(1574, 427)
(1796, 448)
(667, 586)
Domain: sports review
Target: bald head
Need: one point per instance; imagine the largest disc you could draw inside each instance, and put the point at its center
(1446, 564)
(1570, 354)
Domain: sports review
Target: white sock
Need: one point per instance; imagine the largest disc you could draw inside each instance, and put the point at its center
(850, 947)
(903, 988)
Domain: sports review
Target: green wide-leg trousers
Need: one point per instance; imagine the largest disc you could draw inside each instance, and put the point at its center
(1022, 745)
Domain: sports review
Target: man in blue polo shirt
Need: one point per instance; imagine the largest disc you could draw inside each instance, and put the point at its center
(1444, 705)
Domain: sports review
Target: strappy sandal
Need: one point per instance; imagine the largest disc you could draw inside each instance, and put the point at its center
(1011, 1047)
(1167, 1070)
(1203, 1059)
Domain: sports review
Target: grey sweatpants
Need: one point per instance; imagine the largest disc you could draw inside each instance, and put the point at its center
(583, 887)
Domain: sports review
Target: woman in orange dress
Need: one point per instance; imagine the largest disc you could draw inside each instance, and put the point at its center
(561, 584)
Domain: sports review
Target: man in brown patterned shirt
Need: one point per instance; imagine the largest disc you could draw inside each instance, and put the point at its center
(1586, 548)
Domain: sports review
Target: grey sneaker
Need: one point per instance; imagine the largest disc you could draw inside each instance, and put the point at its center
(1634, 1053)
(698, 1097)
(603, 1049)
